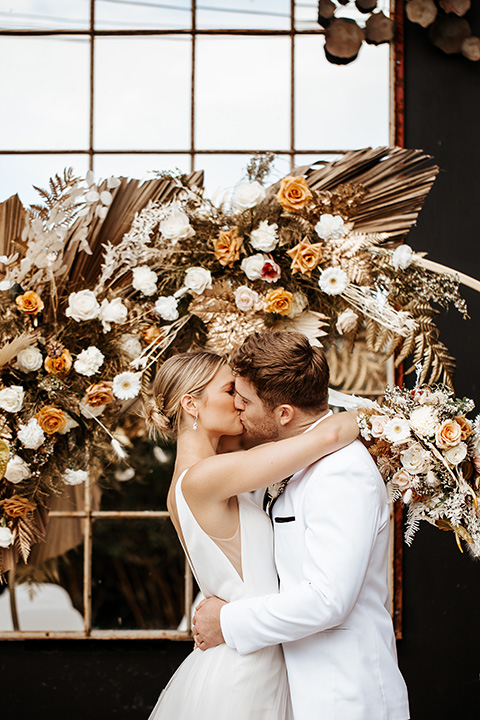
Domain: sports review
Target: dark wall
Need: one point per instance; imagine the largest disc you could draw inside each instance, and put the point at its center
(440, 652)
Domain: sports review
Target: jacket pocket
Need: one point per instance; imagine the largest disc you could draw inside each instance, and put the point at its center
(289, 518)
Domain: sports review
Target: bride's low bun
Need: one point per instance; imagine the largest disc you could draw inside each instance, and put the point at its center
(155, 419)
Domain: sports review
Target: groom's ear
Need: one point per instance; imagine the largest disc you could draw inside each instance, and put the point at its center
(285, 414)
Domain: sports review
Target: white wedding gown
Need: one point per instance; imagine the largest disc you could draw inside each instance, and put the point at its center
(220, 684)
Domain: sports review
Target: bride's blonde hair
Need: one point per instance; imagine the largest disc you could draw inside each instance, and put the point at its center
(185, 374)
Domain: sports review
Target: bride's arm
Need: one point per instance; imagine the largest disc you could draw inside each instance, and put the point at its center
(222, 476)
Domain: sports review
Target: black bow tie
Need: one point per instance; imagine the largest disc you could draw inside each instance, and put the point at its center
(272, 493)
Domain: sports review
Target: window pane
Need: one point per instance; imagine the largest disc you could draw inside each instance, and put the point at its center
(241, 85)
(18, 173)
(251, 14)
(306, 13)
(46, 91)
(340, 106)
(142, 93)
(137, 576)
(132, 15)
(138, 166)
(223, 172)
(45, 14)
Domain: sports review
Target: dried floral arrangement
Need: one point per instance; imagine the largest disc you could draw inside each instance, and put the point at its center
(101, 280)
(428, 453)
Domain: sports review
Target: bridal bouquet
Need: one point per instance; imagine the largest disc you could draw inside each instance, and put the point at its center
(428, 453)
(102, 278)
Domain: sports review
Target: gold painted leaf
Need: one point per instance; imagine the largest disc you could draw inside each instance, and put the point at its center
(4, 455)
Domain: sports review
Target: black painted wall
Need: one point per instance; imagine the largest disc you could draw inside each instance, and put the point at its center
(440, 651)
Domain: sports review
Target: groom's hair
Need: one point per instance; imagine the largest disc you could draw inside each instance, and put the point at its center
(284, 368)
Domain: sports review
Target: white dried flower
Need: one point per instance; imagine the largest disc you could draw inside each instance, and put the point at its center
(402, 257)
(119, 450)
(245, 298)
(82, 306)
(130, 345)
(264, 238)
(252, 266)
(330, 227)
(69, 424)
(11, 398)
(176, 226)
(424, 421)
(457, 454)
(31, 435)
(112, 312)
(6, 537)
(198, 279)
(144, 280)
(89, 361)
(333, 281)
(347, 322)
(29, 360)
(167, 308)
(298, 305)
(124, 475)
(397, 430)
(74, 477)
(90, 411)
(415, 459)
(126, 385)
(248, 194)
(17, 470)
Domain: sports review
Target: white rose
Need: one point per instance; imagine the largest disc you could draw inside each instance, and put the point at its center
(245, 298)
(74, 477)
(397, 430)
(17, 470)
(198, 279)
(252, 266)
(402, 257)
(126, 385)
(167, 308)
(457, 454)
(347, 321)
(89, 361)
(112, 312)
(69, 425)
(31, 435)
(29, 360)
(402, 479)
(6, 537)
(82, 306)
(144, 280)
(11, 398)
(377, 425)
(330, 227)
(176, 226)
(333, 281)
(247, 195)
(415, 459)
(264, 238)
(424, 421)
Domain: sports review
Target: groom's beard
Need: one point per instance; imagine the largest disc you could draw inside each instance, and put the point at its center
(264, 430)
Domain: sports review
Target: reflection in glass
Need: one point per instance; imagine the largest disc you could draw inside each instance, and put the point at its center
(242, 93)
(18, 173)
(143, 166)
(223, 172)
(245, 14)
(45, 14)
(148, 14)
(340, 106)
(46, 91)
(137, 575)
(142, 93)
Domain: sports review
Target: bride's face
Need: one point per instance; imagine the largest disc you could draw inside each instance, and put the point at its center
(216, 409)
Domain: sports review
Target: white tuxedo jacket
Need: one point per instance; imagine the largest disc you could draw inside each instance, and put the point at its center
(332, 615)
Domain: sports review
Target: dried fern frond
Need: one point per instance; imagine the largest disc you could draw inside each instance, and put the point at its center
(58, 187)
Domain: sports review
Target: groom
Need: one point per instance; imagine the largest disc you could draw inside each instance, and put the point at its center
(331, 529)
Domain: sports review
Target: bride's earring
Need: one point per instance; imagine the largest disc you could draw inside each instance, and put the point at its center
(195, 422)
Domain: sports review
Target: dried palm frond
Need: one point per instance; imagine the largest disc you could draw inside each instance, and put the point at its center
(13, 217)
(10, 351)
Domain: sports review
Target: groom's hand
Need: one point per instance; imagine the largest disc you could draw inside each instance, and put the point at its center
(207, 631)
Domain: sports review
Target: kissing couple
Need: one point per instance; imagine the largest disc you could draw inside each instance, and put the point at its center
(296, 624)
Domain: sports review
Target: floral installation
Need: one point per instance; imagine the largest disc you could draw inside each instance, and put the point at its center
(428, 453)
(102, 279)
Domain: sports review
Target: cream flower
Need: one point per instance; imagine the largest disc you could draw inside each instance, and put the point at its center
(144, 280)
(333, 281)
(397, 430)
(82, 306)
(415, 459)
(17, 470)
(11, 398)
(89, 361)
(112, 312)
(31, 435)
(347, 322)
(176, 226)
(130, 345)
(402, 257)
(248, 194)
(448, 434)
(74, 477)
(29, 360)
(6, 537)
(264, 238)
(167, 308)
(298, 305)
(330, 227)
(252, 266)
(424, 421)
(377, 425)
(197, 280)
(126, 385)
(402, 479)
(245, 298)
(457, 454)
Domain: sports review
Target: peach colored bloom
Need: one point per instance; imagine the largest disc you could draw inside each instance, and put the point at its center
(17, 506)
(294, 193)
(227, 247)
(448, 434)
(30, 303)
(278, 301)
(51, 419)
(59, 365)
(305, 257)
(99, 394)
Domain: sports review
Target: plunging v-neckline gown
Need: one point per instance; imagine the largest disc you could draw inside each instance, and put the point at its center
(218, 683)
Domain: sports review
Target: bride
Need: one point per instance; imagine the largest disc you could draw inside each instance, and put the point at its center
(228, 539)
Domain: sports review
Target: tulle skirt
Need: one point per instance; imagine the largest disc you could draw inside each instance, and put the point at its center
(220, 684)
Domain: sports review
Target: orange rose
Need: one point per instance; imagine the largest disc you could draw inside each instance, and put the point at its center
(30, 303)
(465, 426)
(294, 193)
(17, 506)
(153, 333)
(448, 434)
(227, 247)
(305, 257)
(99, 394)
(278, 301)
(59, 365)
(51, 419)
